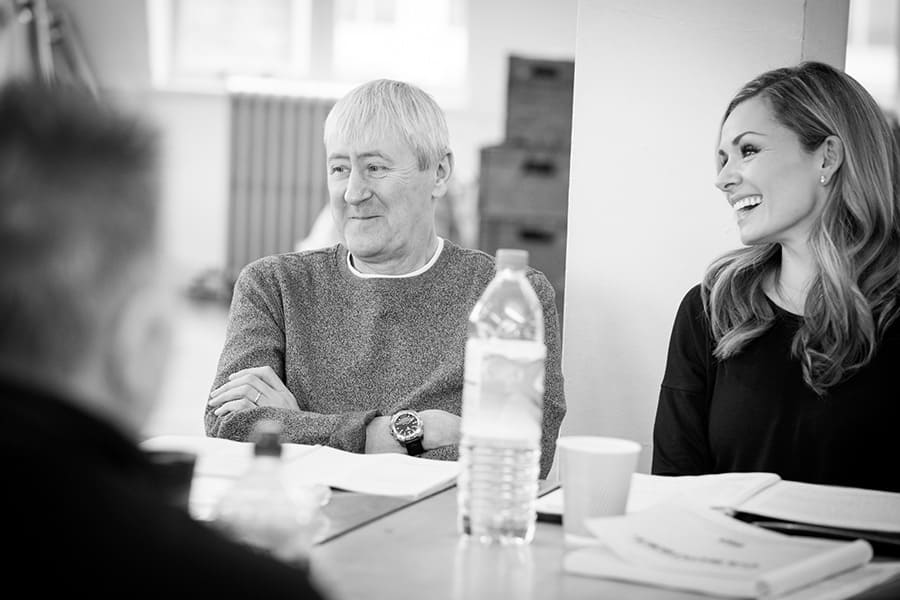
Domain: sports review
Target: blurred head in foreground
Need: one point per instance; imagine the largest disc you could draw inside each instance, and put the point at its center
(82, 307)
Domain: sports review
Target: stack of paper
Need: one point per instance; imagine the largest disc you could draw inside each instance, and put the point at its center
(692, 548)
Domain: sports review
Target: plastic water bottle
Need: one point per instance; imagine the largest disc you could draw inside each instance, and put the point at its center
(259, 511)
(502, 409)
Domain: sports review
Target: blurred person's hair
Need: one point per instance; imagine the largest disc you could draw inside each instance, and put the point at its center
(856, 241)
(78, 219)
(382, 106)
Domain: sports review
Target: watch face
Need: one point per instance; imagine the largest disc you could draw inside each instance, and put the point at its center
(406, 426)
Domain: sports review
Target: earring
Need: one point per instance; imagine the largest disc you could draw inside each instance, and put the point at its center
(822, 180)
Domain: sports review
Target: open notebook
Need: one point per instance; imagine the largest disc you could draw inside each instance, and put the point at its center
(769, 501)
(220, 462)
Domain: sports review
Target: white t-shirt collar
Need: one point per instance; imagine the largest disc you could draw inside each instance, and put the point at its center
(419, 271)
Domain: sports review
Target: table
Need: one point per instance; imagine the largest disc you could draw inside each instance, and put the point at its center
(416, 552)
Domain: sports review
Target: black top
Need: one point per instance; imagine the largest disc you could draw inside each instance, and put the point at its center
(753, 412)
(86, 513)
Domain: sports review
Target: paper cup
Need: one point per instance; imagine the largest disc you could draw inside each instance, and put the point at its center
(596, 478)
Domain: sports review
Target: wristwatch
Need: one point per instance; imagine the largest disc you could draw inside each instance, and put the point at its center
(408, 429)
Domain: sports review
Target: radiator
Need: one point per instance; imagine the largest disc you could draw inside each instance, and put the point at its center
(278, 174)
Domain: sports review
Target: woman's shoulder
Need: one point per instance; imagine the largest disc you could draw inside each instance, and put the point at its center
(692, 300)
(691, 313)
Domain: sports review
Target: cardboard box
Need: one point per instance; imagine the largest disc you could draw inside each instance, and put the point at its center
(544, 239)
(523, 182)
(539, 102)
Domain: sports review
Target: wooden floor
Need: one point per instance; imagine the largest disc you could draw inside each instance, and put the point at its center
(198, 339)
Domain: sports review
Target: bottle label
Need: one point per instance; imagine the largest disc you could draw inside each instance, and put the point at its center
(503, 393)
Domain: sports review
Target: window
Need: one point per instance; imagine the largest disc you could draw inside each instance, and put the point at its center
(303, 44)
(422, 41)
(250, 37)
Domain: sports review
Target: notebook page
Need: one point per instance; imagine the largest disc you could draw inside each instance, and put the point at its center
(833, 506)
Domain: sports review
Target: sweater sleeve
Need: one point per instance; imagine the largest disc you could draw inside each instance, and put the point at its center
(554, 392)
(255, 336)
(681, 430)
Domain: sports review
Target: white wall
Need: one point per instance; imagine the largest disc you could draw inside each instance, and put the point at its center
(195, 188)
(651, 81)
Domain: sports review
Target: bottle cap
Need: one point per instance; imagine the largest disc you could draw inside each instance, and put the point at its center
(267, 438)
(512, 258)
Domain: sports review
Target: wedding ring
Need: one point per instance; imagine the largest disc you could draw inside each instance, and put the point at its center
(255, 401)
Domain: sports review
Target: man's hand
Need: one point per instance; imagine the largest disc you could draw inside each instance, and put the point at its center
(441, 428)
(249, 388)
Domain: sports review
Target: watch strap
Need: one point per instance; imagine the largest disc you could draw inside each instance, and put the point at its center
(414, 448)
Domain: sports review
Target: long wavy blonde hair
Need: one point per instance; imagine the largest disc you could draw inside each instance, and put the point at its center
(853, 297)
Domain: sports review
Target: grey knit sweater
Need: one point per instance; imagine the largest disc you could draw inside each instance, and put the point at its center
(350, 348)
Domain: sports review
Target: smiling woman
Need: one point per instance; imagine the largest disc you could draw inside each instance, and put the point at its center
(783, 358)
(767, 173)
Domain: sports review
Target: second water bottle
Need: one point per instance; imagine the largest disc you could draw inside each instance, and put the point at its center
(260, 511)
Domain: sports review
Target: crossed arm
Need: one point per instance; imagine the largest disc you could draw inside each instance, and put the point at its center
(261, 388)
(250, 385)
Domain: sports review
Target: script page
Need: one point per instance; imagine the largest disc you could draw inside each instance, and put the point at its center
(217, 457)
(719, 490)
(833, 506)
(714, 491)
(381, 474)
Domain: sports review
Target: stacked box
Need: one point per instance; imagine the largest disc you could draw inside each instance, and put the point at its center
(543, 238)
(539, 102)
(524, 182)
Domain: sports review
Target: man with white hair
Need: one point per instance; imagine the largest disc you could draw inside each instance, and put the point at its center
(361, 345)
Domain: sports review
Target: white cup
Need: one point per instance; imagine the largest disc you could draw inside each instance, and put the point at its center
(596, 478)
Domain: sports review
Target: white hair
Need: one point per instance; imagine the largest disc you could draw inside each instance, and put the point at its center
(383, 105)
